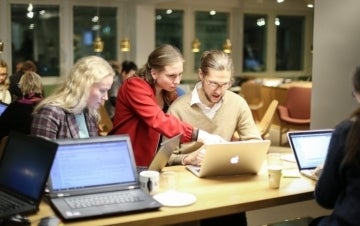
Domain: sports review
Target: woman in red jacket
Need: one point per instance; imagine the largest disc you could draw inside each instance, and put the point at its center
(143, 100)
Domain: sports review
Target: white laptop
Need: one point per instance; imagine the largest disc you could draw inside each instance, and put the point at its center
(232, 158)
(93, 177)
(310, 149)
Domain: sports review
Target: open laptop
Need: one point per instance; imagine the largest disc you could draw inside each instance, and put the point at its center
(232, 158)
(310, 149)
(162, 156)
(24, 168)
(96, 176)
(3, 106)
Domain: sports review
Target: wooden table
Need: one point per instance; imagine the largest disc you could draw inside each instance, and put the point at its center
(215, 197)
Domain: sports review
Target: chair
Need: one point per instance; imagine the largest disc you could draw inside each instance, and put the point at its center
(266, 121)
(2, 145)
(295, 113)
(105, 124)
(251, 91)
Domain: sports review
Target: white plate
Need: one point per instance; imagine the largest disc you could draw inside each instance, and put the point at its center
(175, 198)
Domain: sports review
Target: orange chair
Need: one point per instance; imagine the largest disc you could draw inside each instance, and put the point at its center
(251, 91)
(295, 113)
(266, 121)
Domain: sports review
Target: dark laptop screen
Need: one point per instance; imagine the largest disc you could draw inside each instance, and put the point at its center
(25, 164)
(93, 162)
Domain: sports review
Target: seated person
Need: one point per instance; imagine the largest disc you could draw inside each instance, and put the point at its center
(18, 115)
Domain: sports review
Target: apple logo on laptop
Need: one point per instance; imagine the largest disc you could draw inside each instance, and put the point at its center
(234, 160)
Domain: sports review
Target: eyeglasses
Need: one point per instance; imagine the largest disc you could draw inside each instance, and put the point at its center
(215, 85)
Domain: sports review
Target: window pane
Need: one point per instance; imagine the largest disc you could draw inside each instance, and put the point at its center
(289, 43)
(85, 31)
(169, 27)
(35, 36)
(254, 58)
(211, 30)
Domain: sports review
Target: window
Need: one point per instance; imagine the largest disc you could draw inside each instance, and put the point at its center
(169, 27)
(289, 43)
(35, 36)
(254, 58)
(86, 30)
(212, 29)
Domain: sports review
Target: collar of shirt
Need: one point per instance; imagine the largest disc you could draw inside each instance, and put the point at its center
(195, 99)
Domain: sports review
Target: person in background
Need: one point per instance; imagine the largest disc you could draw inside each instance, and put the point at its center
(18, 115)
(143, 100)
(128, 69)
(27, 66)
(72, 110)
(5, 95)
(214, 109)
(338, 187)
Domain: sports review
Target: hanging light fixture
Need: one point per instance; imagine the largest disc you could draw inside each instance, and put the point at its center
(98, 44)
(195, 46)
(125, 45)
(227, 46)
(1, 46)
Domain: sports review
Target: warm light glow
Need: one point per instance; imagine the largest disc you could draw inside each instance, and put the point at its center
(195, 46)
(125, 45)
(98, 45)
(227, 46)
(1, 46)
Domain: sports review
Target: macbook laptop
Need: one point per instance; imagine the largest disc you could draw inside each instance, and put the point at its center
(95, 177)
(162, 156)
(24, 169)
(310, 149)
(232, 158)
(3, 106)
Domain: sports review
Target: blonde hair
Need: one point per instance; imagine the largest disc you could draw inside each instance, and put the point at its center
(6, 84)
(217, 60)
(73, 94)
(30, 83)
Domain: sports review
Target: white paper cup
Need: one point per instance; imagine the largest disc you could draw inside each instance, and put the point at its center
(274, 166)
(149, 181)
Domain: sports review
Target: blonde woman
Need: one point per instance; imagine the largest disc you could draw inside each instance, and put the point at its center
(18, 115)
(5, 95)
(72, 110)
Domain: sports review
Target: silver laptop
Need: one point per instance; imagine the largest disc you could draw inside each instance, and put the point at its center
(24, 168)
(232, 158)
(95, 177)
(310, 149)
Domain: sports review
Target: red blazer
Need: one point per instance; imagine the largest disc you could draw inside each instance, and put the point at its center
(137, 114)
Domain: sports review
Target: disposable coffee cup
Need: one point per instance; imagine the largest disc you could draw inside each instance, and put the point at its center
(274, 166)
(149, 181)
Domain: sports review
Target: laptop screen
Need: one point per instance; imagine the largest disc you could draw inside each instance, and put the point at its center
(93, 162)
(25, 164)
(310, 147)
(3, 106)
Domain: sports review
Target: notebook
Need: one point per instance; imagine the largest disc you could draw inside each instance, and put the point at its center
(24, 169)
(232, 158)
(96, 176)
(3, 106)
(310, 149)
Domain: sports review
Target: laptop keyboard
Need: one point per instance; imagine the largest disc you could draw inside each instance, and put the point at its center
(7, 202)
(102, 199)
(139, 169)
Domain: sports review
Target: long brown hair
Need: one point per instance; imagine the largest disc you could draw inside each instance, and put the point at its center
(352, 145)
(162, 56)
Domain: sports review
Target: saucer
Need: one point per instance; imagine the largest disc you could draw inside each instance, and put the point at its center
(175, 198)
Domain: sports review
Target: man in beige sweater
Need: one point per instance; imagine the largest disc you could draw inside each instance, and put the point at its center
(213, 108)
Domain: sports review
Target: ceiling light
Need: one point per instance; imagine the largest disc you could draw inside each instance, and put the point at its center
(195, 46)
